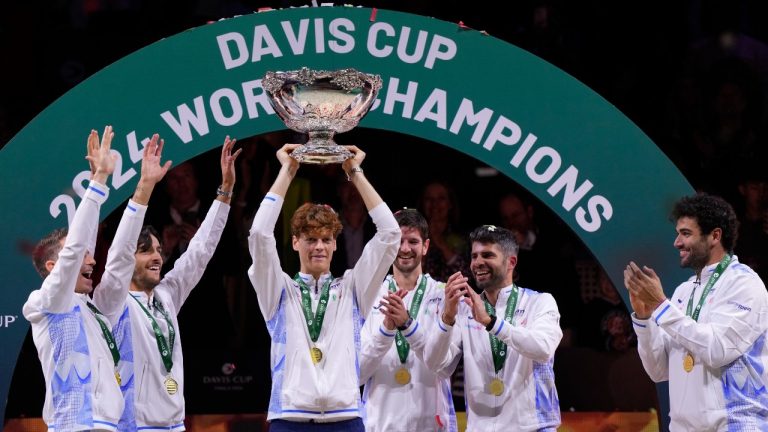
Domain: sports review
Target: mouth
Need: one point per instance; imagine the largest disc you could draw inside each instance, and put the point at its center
(87, 274)
(482, 274)
(154, 268)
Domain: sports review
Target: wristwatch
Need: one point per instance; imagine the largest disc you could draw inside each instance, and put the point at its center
(491, 323)
(222, 192)
(405, 325)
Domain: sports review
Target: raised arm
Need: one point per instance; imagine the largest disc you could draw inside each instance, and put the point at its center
(355, 174)
(380, 251)
(58, 287)
(189, 268)
(265, 272)
(110, 295)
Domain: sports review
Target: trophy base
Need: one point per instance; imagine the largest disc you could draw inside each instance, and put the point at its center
(319, 154)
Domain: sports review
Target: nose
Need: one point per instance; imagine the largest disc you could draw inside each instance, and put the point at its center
(156, 255)
(678, 243)
(404, 246)
(89, 259)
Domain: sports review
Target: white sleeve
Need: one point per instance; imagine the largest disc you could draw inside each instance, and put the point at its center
(377, 257)
(652, 348)
(736, 317)
(110, 295)
(539, 339)
(58, 289)
(265, 273)
(443, 344)
(190, 266)
(376, 341)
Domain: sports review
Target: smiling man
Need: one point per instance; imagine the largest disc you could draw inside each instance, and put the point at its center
(314, 318)
(708, 340)
(401, 393)
(73, 337)
(147, 331)
(508, 336)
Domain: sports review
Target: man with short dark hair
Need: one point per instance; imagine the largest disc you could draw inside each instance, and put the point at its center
(314, 318)
(148, 329)
(508, 336)
(708, 340)
(401, 392)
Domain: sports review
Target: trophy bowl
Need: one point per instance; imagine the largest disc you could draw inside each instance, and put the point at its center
(321, 104)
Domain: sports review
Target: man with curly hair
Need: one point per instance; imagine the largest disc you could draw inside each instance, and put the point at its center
(314, 318)
(708, 339)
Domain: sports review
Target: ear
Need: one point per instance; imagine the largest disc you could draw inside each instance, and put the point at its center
(513, 261)
(334, 245)
(426, 247)
(49, 265)
(295, 243)
(717, 235)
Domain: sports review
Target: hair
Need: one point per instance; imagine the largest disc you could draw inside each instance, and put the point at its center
(145, 241)
(411, 218)
(47, 249)
(710, 212)
(314, 217)
(497, 235)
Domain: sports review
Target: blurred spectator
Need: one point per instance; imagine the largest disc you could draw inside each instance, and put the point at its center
(544, 260)
(752, 243)
(357, 229)
(604, 323)
(184, 213)
(448, 249)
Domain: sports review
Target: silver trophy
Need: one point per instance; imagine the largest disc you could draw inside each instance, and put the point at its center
(321, 104)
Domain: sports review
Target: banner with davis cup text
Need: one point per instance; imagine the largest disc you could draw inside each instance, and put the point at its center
(461, 88)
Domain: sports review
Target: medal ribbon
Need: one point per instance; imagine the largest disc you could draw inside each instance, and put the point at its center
(499, 348)
(314, 322)
(402, 345)
(164, 346)
(106, 332)
(719, 270)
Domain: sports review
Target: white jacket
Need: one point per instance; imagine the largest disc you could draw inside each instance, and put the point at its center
(81, 389)
(529, 401)
(726, 390)
(391, 407)
(141, 365)
(301, 390)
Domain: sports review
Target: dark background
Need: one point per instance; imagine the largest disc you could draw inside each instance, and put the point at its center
(691, 74)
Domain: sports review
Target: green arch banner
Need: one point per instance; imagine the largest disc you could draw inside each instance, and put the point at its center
(461, 88)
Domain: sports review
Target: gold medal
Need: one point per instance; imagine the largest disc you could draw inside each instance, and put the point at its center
(496, 387)
(688, 362)
(171, 386)
(402, 376)
(118, 379)
(316, 355)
